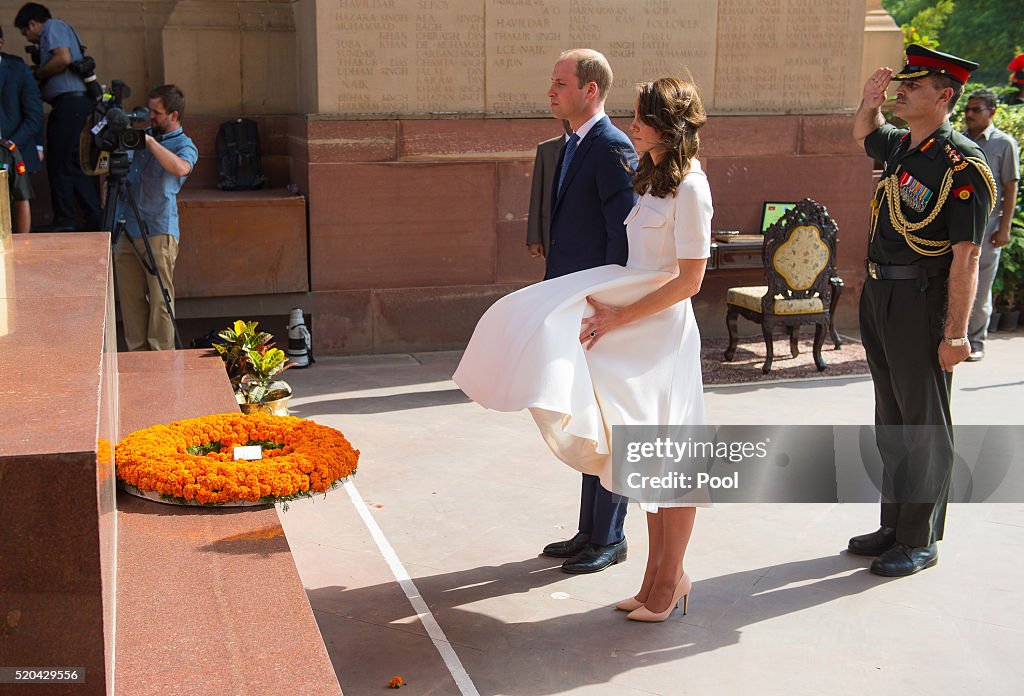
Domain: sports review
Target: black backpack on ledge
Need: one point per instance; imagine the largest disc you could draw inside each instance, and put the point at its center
(238, 156)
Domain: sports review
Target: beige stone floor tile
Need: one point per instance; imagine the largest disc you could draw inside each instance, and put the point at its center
(1006, 514)
(366, 655)
(467, 497)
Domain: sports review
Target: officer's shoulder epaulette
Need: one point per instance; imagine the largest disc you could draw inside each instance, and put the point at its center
(955, 157)
(971, 155)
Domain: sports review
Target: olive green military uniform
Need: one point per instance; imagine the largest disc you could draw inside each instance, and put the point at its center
(20, 188)
(930, 198)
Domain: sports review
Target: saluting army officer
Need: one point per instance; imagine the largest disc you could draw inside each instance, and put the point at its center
(928, 218)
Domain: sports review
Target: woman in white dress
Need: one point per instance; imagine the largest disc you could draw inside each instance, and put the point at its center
(617, 345)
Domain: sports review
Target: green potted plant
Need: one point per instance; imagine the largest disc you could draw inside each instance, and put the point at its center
(261, 391)
(234, 345)
(252, 362)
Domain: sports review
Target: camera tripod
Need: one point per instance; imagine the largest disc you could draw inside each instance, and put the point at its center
(116, 185)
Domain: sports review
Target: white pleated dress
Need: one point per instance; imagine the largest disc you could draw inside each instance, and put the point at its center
(526, 353)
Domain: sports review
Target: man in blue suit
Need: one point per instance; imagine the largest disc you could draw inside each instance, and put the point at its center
(21, 107)
(591, 194)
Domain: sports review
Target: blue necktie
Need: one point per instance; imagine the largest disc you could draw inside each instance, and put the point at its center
(570, 150)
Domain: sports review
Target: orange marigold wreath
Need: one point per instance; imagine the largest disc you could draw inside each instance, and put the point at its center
(191, 461)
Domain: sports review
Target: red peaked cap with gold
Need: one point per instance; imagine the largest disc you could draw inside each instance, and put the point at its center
(923, 61)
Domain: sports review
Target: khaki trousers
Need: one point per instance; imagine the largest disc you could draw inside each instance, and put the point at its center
(147, 325)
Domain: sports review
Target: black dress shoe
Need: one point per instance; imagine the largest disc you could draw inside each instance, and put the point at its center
(902, 560)
(569, 548)
(976, 355)
(873, 544)
(595, 558)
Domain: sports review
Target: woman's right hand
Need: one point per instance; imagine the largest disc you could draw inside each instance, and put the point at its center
(604, 319)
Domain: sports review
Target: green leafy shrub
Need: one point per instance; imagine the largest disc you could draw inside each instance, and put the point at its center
(236, 342)
(252, 362)
(1008, 287)
(927, 24)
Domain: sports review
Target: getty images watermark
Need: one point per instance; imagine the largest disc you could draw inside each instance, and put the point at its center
(666, 450)
(816, 464)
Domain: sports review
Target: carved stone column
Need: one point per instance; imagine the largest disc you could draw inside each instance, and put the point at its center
(883, 41)
(232, 57)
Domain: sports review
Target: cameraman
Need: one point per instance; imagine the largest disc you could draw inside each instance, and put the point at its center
(156, 175)
(65, 91)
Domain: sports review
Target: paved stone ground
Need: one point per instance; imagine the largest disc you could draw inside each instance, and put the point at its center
(467, 497)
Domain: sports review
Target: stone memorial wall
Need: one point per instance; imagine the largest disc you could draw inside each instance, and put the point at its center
(405, 57)
(373, 58)
(788, 56)
(493, 57)
(641, 38)
(410, 128)
(231, 57)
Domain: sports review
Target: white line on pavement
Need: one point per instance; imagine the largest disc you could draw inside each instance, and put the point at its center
(451, 659)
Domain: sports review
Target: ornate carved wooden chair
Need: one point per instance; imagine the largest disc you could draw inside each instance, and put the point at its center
(799, 261)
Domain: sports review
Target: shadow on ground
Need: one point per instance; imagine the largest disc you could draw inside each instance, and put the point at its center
(531, 651)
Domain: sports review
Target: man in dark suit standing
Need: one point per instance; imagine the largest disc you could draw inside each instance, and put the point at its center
(21, 107)
(538, 222)
(591, 194)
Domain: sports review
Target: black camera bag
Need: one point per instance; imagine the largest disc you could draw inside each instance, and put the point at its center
(238, 156)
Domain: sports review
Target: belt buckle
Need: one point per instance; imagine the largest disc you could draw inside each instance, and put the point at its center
(873, 270)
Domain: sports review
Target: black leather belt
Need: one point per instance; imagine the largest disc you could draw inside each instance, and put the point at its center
(880, 272)
(68, 94)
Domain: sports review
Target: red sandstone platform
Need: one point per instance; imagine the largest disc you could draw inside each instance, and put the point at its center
(52, 306)
(241, 243)
(209, 600)
(56, 488)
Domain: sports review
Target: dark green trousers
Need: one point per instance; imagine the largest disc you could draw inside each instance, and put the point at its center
(901, 325)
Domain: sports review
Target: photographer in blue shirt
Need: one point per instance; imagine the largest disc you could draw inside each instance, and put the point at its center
(65, 91)
(157, 174)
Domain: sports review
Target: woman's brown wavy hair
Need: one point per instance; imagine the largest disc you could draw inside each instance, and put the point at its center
(672, 107)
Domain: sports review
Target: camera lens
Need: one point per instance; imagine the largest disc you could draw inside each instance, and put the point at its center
(131, 139)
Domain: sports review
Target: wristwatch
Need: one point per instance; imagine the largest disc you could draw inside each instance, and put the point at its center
(955, 342)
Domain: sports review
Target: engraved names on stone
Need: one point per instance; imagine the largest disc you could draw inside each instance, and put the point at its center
(409, 56)
(782, 56)
(643, 39)
(495, 56)
(524, 37)
(677, 38)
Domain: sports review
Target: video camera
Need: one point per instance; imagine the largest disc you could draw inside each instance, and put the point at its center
(84, 68)
(108, 135)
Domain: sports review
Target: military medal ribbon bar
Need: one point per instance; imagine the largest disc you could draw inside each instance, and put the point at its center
(914, 193)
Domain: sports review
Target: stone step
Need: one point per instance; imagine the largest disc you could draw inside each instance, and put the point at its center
(208, 600)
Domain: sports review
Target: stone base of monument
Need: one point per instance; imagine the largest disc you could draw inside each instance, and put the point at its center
(60, 422)
(189, 576)
(194, 588)
(240, 243)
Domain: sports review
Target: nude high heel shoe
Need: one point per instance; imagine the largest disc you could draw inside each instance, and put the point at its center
(682, 592)
(629, 604)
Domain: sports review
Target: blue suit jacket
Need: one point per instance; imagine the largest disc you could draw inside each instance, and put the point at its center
(587, 216)
(21, 108)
